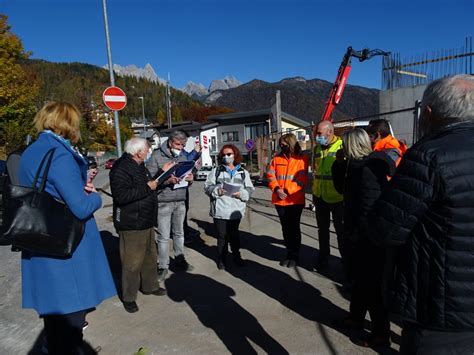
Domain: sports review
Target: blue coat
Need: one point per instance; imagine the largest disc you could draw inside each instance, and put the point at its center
(60, 286)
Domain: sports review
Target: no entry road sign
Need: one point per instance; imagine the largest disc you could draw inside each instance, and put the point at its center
(114, 98)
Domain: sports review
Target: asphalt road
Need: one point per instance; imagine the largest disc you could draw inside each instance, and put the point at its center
(261, 308)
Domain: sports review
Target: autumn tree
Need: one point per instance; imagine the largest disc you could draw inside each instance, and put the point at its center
(18, 91)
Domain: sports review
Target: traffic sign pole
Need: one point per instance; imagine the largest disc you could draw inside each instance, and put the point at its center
(112, 80)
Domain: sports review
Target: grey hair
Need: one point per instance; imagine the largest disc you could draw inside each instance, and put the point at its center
(451, 100)
(179, 135)
(356, 144)
(135, 145)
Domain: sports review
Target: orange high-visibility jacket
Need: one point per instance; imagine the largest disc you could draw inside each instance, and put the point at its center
(291, 175)
(392, 147)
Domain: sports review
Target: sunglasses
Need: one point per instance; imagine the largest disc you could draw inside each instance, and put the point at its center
(228, 154)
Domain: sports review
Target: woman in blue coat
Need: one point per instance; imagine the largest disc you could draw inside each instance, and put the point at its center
(61, 290)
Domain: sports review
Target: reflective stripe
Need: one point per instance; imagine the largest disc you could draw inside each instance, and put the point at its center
(271, 172)
(284, 177)
(331, 154)
(323, 177)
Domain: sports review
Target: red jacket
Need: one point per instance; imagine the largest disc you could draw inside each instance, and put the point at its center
(291, 175)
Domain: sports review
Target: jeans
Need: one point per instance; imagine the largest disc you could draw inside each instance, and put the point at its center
(64, 333)
(323, 219)
(290, 217)
(138, 255)
(170, 217)
(227, 231)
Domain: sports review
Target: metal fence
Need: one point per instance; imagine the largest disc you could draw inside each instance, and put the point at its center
(398, 72)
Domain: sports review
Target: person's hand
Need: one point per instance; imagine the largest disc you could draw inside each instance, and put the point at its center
(340, 156)
(220, 191)
(189, 177)
(172, 180)
(89, 187)
(168, 165)
(91, 174)
(236, 194)
(281, 194)
(197, 147)
(152, 184)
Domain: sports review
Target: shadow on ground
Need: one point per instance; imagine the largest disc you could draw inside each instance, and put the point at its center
(212, 303)
(112, 250)
(293, 293)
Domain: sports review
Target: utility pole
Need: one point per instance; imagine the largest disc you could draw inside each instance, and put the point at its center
(143, 113)
(168, 102)
(112, 80)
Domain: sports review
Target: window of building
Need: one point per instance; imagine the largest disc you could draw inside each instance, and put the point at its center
(230, 136)
(256, 130)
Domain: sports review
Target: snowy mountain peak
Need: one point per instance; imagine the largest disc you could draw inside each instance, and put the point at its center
(132, 70)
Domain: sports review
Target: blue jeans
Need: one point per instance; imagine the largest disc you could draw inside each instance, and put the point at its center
(170, 217)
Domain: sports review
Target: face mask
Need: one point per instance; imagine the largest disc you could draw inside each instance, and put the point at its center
(148, 156)
(228, 160)
(175, 152)
(285, 149)
(323, 140)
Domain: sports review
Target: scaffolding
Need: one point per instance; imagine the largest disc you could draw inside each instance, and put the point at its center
(424, 68)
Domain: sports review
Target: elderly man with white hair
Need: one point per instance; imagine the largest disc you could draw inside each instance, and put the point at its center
(134, 215)
(427, 215)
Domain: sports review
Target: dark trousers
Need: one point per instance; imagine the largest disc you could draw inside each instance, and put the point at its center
(367, 290)
(290, 217)
(416, 340)
(64, 333)
(139, 257)
(227, 231)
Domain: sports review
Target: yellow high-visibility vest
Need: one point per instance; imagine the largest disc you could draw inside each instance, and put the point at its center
(323, 185)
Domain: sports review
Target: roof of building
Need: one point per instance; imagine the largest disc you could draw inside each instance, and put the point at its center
(255, 116)
(190, 126)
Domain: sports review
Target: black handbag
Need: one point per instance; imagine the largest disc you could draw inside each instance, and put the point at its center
(36, 221)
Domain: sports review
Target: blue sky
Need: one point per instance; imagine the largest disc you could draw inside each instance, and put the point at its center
(202, 40)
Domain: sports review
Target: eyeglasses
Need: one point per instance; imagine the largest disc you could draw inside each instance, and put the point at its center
(227, 154)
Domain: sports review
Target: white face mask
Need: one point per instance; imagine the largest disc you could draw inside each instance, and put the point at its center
(175, 152)
(228, 160)
(148, 156)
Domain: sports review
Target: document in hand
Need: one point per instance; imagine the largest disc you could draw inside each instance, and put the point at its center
(184, 168)
(230, 189)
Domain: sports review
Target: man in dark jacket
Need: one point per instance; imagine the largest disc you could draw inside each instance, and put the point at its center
(426, 213)
(135, 210)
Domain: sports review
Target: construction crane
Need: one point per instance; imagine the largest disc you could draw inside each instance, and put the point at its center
(343, 74)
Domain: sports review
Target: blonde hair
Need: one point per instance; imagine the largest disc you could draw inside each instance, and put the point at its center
(62, 118)
(356, 144)
(290, 139)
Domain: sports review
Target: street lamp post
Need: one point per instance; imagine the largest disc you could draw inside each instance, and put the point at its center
(143, 113)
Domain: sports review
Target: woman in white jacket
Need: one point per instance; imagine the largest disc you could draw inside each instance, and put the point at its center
(227, 208)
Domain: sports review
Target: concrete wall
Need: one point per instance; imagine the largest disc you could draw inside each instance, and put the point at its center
(392, 100)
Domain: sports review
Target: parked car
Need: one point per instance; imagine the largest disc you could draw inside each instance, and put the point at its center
(110, 163)
(203, 172)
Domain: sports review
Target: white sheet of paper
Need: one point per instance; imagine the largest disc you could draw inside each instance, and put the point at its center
(182, 183)
(230, 189)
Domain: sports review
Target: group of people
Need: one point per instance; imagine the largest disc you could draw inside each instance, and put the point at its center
(403, 220)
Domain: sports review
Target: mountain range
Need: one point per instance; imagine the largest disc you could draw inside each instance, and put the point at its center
(304, 98)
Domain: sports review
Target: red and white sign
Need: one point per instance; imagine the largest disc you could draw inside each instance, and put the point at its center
(204, 142)
(114, 98)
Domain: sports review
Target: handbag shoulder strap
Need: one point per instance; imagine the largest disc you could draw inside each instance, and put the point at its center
(49, 155)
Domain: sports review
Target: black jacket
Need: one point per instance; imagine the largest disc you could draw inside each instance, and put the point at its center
(135, 204)
(428, 211)
(361, 183)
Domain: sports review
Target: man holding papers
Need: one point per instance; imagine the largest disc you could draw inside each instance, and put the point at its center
(171, 200)
(229, 188)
